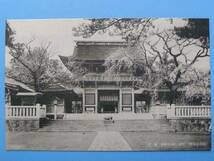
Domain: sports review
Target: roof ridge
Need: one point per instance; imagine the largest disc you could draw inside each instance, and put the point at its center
(103, 42)
(91, 40)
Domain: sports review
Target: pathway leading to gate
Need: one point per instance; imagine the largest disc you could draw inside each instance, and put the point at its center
(109, 141)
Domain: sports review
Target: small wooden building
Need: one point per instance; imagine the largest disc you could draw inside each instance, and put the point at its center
(17, 93)
(59, 100)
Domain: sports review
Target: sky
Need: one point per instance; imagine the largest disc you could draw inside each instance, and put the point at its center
(59, 33)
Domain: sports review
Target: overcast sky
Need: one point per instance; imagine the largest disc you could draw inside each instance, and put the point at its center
(59, 33)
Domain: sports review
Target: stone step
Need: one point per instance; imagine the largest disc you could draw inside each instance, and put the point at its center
(102, 125)
(115, 116)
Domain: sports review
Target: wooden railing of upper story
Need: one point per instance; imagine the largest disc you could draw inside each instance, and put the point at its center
(179, 112)
(26, 112)
(112, 77)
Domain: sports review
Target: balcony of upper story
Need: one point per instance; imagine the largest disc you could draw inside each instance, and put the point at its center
(99, 72)
(109, 77)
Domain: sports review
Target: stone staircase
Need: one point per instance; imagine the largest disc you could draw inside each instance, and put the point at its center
(115, 116)
(148, 125)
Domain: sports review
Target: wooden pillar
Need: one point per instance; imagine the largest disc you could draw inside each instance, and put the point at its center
(35, 99)
(83, 101)
(9, 97)
(55, 112)
(120, 103)
(96, 100)
(133, 100)
(95, 84)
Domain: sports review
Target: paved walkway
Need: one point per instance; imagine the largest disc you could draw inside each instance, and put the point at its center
(109, 141)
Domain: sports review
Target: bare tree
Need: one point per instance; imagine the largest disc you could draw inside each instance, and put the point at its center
(28, 64)
(130, 29)
(199, 86)
(34, 66)
(175, 58)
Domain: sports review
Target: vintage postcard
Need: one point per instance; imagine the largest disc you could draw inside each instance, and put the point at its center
(117, 84)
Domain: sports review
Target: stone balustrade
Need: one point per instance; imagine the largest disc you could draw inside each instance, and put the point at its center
(176, 112)
(25, 112)
(24, 118)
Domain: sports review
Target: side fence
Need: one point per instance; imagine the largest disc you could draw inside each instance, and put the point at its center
(26, 112)
(24, 118)
(190, 118)
(178, 112)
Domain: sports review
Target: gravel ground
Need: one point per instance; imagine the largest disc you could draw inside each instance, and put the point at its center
(49, 140)
(139, 141)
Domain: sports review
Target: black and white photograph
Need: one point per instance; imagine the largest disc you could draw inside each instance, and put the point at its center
(108, 84)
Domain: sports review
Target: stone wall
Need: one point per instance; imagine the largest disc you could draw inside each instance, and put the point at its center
(191, 125)
(22, 125)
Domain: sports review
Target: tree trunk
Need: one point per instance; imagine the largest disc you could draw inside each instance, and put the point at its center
(35, 83)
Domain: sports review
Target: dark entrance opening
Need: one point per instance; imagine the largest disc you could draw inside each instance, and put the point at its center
(108, 101)
(142, 102)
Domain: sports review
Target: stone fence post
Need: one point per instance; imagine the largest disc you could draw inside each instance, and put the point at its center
(170, 111)
(38, 110)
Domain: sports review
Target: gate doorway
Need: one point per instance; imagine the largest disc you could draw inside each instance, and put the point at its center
(108, 101)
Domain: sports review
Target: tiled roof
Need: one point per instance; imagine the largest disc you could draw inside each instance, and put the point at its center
(28, 94)
(14, 83)
(55, 87)
(95, 50)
